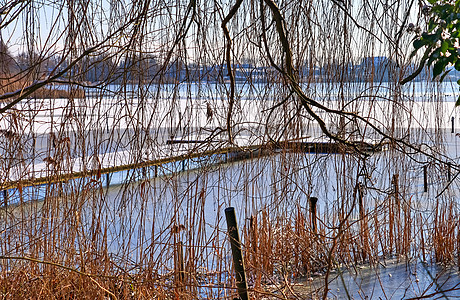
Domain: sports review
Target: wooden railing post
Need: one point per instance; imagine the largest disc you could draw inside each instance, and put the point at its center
(5, 197)
(238, 262)
(425, 178)
(313, 201)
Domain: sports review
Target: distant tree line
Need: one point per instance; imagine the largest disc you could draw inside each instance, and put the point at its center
(147, 68)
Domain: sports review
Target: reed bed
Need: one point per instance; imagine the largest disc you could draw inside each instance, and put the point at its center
(89, 242)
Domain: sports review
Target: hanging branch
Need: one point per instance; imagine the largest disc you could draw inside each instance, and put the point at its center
(308, 102)
(25, 92)
(231, 100)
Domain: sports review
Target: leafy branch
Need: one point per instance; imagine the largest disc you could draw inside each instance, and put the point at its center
(440, 41)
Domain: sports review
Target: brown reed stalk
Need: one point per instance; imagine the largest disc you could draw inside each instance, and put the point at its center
(458, 246)
(444, 234)
(254, 253)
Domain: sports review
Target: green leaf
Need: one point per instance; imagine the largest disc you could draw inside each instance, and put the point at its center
(444, 75)
(457, 66)
(431, 38)
(438, 68)
(457, 103)
(418, 44)
(431, 26)
(444, 46)
(458, 82)
(452, 58)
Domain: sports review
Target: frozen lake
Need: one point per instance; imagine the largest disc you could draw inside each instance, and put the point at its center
(137, 222)
(118, 126)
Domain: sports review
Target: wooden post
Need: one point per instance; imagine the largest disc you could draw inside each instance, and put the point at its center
(180, 268)
(396, 187)
(361, 200)
(238, 262)
(313, 201)
(425, 178)
(107, 179)
(156, 171)
(396, 215)
(5, 197)
(453, 122)
(363, 222)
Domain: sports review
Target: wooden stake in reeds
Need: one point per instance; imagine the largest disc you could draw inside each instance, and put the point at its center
(396, 214)
(360, 200)
(396, 187)
(393, 205)
(363, 221)
(313, 201)
(253, 235)
(179, 268)
(238, 261)
(5, 197)
(425, 178)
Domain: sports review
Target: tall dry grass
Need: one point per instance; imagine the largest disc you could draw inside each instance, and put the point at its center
(14, 83)
(80, 242)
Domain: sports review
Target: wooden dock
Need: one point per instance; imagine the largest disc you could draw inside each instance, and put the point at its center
(231, 154)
